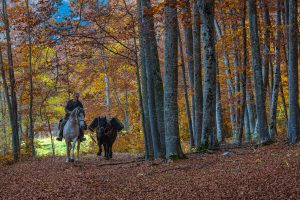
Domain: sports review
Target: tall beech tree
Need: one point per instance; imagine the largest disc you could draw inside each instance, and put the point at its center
(293, 122)
(210, 71)
(262, 126)
(173, 147)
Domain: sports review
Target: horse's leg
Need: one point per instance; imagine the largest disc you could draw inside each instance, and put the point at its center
(106, 149)
(110, 150)
(78, 148)
(100, 149)
(68, 151)
(73, 148)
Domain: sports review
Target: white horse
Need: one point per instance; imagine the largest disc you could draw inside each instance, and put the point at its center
(71, 132)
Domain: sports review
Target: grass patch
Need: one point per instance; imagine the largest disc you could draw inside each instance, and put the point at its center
(44, 147)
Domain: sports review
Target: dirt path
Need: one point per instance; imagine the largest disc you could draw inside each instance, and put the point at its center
(271, 172)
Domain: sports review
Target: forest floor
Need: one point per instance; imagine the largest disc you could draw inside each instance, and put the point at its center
(269, 172)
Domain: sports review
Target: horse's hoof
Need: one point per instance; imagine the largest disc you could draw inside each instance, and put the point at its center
(72, 160)
(106, 158)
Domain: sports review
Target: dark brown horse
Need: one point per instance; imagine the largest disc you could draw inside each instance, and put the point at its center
(107, 132)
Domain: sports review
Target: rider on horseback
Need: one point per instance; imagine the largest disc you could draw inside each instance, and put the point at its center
(71, 105)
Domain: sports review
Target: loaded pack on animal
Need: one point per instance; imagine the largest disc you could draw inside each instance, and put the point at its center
(107, 132)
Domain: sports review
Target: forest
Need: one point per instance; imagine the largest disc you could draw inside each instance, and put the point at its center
(187, 78)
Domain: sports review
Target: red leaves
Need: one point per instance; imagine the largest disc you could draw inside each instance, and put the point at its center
(270, 172)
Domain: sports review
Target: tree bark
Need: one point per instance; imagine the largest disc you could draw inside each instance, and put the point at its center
(273, 111)
(173, 148)
(186, 98)
(228, 80)
(51, 136)
(293, 123)
(155, 88)
(243, 82)
(13, 98)
(266, 51)
(210, 65)
(31, 122)
(146, 124)
(258, 80)
(219, 114)
(188, 35)
(197, 76)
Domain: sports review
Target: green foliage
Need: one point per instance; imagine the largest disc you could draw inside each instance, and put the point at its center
(202, 148)
(44, 147)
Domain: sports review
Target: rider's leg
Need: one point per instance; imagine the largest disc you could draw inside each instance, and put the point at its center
(81, 135)
(61, 129)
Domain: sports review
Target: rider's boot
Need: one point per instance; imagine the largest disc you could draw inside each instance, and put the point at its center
(81, 136)
(60, 137)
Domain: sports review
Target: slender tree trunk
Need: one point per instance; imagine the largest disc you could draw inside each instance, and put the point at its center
(188, 35)
(258, 80)
(250, 105)
(51, 136)
(237, 90)
(173, 148)
(31, 122)
(273, 111)
(13, 98)
(3, 123)
(126, 113)
(147, 129)
(284, 104)
(266, 51)
(247, 127)
(219, 114)
(197, 76)
(293, 123)
(243, 82)
(228, 80)
(155, 88)
(146, 125)
(106, 80)
(210, 65)
(186, 98)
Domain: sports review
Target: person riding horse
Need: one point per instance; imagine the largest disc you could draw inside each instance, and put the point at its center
(71, 105)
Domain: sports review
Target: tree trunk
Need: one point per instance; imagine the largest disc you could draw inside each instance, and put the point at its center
(137, 72)
(126, 113)
(186, 98)
(219, 114)
(51, 136)
(266, 51)
(197, 76)
(13, 98)
(242, 119)
(146, 124)
(106, 81)
(273, 111)
(209, 95)
(154, 84)
(293, 123)
(173, 148)
(188, 35)
(258, 80)
(3, 123)
(31, 122)
(228, 80)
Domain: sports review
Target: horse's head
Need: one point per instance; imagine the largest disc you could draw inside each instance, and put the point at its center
(78, 116)
(99, 123)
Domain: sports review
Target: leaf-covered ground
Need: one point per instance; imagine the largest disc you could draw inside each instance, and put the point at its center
(270, 172)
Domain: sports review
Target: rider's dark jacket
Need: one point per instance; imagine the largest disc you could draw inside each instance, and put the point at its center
(71, 105)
